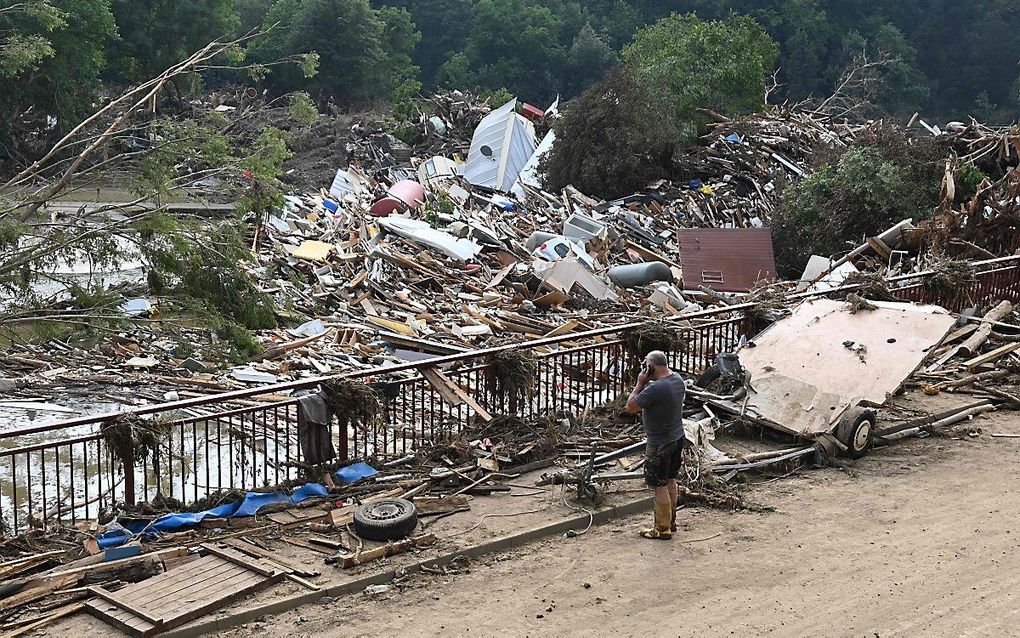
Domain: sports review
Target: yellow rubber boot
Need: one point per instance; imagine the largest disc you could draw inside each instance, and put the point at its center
(672, 517)
(660, 530)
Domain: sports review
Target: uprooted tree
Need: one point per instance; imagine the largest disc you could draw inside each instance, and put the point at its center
(622, 132)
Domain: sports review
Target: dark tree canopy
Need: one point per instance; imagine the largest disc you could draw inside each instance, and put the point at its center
(944, 58)
(638, 149)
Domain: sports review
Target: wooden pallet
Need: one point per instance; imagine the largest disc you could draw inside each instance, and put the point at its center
(179, 596)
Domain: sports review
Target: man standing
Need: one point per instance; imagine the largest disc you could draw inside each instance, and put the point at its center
(659, 397)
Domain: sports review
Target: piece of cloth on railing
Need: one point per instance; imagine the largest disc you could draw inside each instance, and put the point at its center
(314, 440)
(248, 506)
(355, 472)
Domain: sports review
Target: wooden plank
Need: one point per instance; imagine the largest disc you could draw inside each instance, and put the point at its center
(239, 559)
(564, 329)
(145, 596)
(114, 564)
(388, 549)
(42, 622)
(226, 592)
(122, 620)
(151, 599)
(30, 594)
(185, 601)
(254, 550)
(438, 380)
(177, 597)
(205, 605)
(114, 599)
(167, 580)
(299, 542)
(288, 518)
(990, 357)
(960, 334)
(442, 385)
(145, 591)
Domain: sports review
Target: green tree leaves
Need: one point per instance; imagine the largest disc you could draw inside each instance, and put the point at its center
(155, 34)
(362, 53)
(717, 65)
(613, 139)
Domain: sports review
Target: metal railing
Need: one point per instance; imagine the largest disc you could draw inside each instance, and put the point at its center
(247, 439)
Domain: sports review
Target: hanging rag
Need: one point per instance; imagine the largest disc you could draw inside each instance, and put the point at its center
(314, 438)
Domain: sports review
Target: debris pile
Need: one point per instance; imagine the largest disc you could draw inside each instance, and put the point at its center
(415, 251)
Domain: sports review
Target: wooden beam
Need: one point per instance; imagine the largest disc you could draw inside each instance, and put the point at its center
(989, 357)
(388, 549)
(451, 392)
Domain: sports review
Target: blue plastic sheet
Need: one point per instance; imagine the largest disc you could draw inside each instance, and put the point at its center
(248, 506)
(733, 137)
(356, 472)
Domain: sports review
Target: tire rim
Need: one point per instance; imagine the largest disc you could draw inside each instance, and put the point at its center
(386, 511)
(862, 436)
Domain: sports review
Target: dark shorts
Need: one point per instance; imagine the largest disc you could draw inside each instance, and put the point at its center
(662, 462)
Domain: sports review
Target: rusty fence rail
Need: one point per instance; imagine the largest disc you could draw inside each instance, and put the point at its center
(64, 472)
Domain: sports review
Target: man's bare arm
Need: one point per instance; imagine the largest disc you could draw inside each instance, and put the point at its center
(632, 404)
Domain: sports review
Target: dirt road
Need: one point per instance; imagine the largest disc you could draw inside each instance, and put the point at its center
(921, 537)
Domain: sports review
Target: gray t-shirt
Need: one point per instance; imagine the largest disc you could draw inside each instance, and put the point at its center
(662, 403)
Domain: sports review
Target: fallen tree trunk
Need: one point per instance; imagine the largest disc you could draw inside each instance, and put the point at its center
(970, 347)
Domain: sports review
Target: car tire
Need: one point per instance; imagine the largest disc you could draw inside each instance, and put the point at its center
(709, 376)
(856, 430)
(385, 519)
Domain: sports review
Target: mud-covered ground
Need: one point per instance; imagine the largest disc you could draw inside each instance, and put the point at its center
(921, 537)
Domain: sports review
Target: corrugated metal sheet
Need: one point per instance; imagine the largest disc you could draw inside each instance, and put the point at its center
(509, 140)
(726, 259)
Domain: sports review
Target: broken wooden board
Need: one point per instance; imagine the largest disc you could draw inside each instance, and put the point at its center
(990, 357)
(451, 392)
(807, 368)
(292, 518)
(179, 596)
(437, 506)
(313, 251)
(389, 549)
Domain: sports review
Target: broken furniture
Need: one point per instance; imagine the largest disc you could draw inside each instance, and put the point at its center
(180, 595)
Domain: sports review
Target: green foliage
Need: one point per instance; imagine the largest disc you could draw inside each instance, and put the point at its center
(406, 99)
(24, 31)
(589, 57)
(262, 169)
(968, 179)
(302, 109)
(360, 52)
(51, 54)
(613, 139)
(155, 34)
(718, 65)
(181, 148)
(440, 204)
(868, 189)
(518, 44)
(10, 232)
(200, 261)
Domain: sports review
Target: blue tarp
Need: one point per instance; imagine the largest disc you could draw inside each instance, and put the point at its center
(355, 472)
(248, 506)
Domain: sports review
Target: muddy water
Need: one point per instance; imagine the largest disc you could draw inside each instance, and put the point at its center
(84, 478)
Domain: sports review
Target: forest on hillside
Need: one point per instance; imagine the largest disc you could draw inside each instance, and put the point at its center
(947, 59)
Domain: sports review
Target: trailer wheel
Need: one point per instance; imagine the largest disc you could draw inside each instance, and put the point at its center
(386, 519)
(856, 430)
